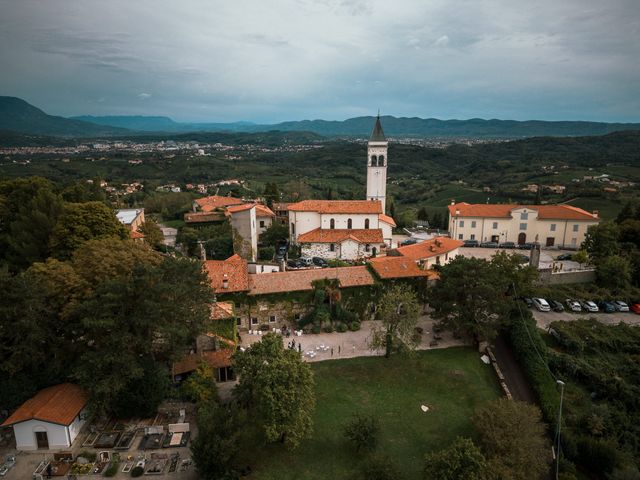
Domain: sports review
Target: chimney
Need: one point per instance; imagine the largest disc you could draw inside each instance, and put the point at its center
(225, 281)
(596, 213)
(438, 242)
(457, 212)
(432, 248)
(453, 201)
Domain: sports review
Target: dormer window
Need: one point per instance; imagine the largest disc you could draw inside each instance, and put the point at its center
(332, 224)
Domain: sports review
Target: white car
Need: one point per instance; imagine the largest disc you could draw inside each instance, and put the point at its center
(573, 305)
(541, 304)
(589, 306)
(621, 306)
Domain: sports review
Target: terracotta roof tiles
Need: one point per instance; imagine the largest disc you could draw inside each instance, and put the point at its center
(387, 219)
(233, 270)
(397, 267)
(299, 280)
(240, 208)
(429, 248)
(548, 212)
(264, 211)
(214, 202)
(338, 206)
(214, 358)
(323, 235)
(59, 404)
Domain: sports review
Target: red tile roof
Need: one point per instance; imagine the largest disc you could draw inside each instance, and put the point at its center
(323, 235)
(387, 219)
(338, 206)
(555, 212)
(263, 211)
(397, 267)
(134, 234)
(429, 248)
(233, 269)
(281, 206)
(208, 204)
(59, 404)
(201, 217)
(240, 208)
(221, 310)
(297, 280)
(214, 358)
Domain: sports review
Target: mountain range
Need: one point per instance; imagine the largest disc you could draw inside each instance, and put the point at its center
(17, 115)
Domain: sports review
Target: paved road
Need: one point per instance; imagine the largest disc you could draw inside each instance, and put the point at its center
(543, 319)
(513, 374)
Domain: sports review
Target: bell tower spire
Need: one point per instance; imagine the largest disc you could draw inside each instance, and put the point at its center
(377, 164)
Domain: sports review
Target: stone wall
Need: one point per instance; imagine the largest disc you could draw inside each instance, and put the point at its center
(547, 277)
(284, 312)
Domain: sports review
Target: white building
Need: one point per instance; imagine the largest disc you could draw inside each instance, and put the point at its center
(342, 229)
(562, 226)
(245, 233)
(377, 165)
(50, 420)
(132, 218)
(264, 217)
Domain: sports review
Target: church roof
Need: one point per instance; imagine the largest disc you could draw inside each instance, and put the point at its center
(338, 206)
(323, 235)
(377, 135)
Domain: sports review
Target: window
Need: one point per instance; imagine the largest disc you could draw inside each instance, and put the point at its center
(366, 223)
(524, 216)
(459, 236)
(297, 316)
(272, 319)
(254, 320)
(332, 224)
(293, 229)
(461, 224)
(261, 223)
(238, 321)
(332, 247)
(552, 227)
(576, 227)
(349, 223)
(473, 237)
(381, 161)
(237, 304)
(446, 257)
(473, 224)
(523, 226)
(574, 241)
(374, 161)
(367, 247)
(438, 260)
(495, 225)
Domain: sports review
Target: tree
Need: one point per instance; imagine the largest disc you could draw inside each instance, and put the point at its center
(601, 240)
(277, 388)
(271, 194)
(152, 233)
(274, 233)
(462, 460)
(581, 256)
(200, 388)
(423, 214)
(362, 432)
(379, 467)
(398, 309)
(80, 222)
(513, 436)
(613, 272)
(471, 297)
(625, 214)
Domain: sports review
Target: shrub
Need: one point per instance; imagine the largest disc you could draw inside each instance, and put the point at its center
(266, 253)
(264, 328)
(137, 471)
(112, 469)
(362, 432)
(328, 328)
(91, 456)
(342, 327)
(380, 467)
(316, 329)
(599, 456)
(354, 326)
(419, 330)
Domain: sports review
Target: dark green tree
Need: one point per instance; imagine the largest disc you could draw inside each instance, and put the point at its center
(601, 240)
(362, 432)
(614, 272)
(274, 233)
(271, 194)
(626, 213)
(277, 388)
(462, 460)
(153, 236)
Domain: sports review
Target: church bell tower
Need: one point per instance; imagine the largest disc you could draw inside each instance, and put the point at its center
(377, 165)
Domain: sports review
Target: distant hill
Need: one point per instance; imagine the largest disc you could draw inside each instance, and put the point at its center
(16, 115)
(393, 126)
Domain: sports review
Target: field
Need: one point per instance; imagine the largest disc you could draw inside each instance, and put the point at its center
(452, 382)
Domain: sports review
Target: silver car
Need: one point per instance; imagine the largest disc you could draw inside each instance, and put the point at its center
(589, 306)
(573, 305)
(621, 306)
(541, 304)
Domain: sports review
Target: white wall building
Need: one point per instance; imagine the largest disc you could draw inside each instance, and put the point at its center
(562, 226)
(51, 420)
(245, 233)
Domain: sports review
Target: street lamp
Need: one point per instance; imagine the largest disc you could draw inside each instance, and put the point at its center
(561, 383)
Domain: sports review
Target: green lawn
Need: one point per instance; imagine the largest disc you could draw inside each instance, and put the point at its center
(453, 382)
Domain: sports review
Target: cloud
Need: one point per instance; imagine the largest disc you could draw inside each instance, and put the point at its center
(143, 96)
(442, 41)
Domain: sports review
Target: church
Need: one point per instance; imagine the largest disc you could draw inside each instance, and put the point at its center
(348, 229)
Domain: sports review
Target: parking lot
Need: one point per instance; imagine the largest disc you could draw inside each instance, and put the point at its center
(547, 256)
(543, 319)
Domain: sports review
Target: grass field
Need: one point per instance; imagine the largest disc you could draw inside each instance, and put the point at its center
(453, 382)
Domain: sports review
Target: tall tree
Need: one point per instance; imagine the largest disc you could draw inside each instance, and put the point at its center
(80, 222)
(514, 439)
(601, 240)
(398, 310)
(271, 194)
(277, 388)
(462, 460)
(153, 236)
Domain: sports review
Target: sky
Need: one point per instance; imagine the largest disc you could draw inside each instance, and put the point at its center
(275, 60)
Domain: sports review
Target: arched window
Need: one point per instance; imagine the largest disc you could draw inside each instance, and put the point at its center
(332, 224)
(349, 224)
(381, 161)
(374, 161)
(366, 223)
(293, 229)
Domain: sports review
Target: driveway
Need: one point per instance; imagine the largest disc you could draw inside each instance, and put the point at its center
(547, 256)
(543, 319)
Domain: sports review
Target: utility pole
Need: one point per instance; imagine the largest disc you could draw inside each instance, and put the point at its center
(561, 383)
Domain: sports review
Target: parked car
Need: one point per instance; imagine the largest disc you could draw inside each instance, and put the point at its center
(589, 306)
(528, 301)
(607, 307)
(541, 304)
(471, 243)
(507, 245)
(489, 244)
(408, 241)
(635, 308)
(297, 263)
(320, 262)
(621, 306)
(306, 261)
(573, 305)
(564, 256)
(556, 306)
(528, 245)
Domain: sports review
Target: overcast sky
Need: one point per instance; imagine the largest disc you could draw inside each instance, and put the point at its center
(276, 60)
